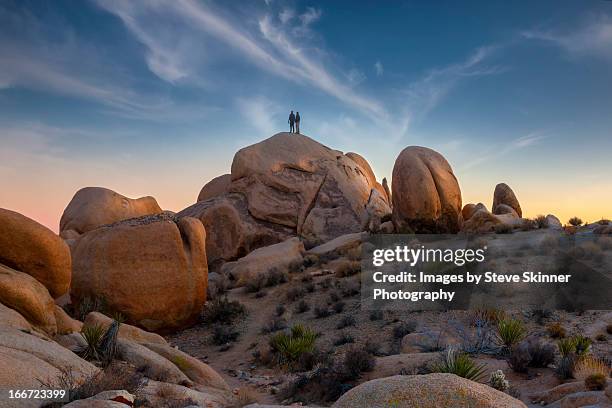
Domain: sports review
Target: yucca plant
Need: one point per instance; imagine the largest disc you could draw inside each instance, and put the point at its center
(108, 343)
(582, 345)
(510, 332)
(566, 346)
(461, 364)
(290, 346)
(93, 337)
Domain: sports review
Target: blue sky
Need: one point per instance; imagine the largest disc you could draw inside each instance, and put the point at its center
(154, 97)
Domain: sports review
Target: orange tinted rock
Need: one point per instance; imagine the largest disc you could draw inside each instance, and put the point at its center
(29, 247)
(215, 187)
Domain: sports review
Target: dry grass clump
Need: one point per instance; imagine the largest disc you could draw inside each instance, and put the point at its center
(593, 371)
(556, 330)
(510, 332)
(346, 267)
(273, 277)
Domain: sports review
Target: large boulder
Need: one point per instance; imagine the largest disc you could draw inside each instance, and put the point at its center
(553, 222)
(151, 269)
(231, 231)
(426, 194)
(294, 181)
(425, 391)
(282, 257)
(25, 295)
(504, 195)
(29, 247)
(93, 207)
(215, 187)
(25, 359)
(288, 185)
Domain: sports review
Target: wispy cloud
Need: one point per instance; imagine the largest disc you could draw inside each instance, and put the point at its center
(378, 68)
(593, 38)
(260, 113)
(500, 150)
(271, 49)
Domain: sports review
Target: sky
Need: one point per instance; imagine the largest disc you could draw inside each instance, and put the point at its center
(154, 97)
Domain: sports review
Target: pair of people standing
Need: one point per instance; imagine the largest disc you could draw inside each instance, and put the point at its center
(294, 122)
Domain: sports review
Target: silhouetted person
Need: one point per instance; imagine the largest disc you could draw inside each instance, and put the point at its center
(291, 122)
(297, 122)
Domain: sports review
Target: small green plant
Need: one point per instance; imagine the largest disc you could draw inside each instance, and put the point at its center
(108, 343)
(280, 310)
(461, 364)
(566, 346)
(575, 221)
(87, 305)
(356, 361)
(344, 338)
(339, 306)
(510, 332)
(498, 381)
(379, 315)
(93, 337)
(601, 337)
(274, 324)
(582, 345)
(224, 334)
(289, 346)
(321, 311)
(302, 307)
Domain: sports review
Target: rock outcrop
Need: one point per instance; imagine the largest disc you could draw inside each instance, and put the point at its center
(151, 269)
(288, 185)
(215, 187)
(25, 295)
(93, 207)
(29, 247)
(504, 195)
(426, 194)
(282, 257)
(425, 391)
(553, 222)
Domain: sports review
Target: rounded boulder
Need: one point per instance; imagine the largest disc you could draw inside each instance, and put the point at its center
(426, 195)
(29, 247)
(425, 391)
(93, 207)
(503, 194)
(151, 269)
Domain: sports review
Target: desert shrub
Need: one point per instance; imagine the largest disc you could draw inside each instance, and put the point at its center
(350, 290)
(86, 305)
(503, 229)
(589, 366)
(309, 287)
(566, 346)
(458, 363)
(565, 367)
(575, 222)
(334, 297)
(273, 277)
(344, 338)
(601, 337)
(338, 306)
(510, 332)
(346, 321)
(379, 315)
(224, 334)
(326, 283)
(556, 330)
(541, 354)
(609, 329)
(482, 317)
(403, 329)
(540, 221)
(116, 376)
(274, 324)
(541, 314)
(372, 347)
(595, 382)
(294, 294)
(321, 311)
(93, 337)
(261, 294)
(347, 268)
(280, 310)
(497, 380)
(603, 221)
(302, 306)
(310, 260)
(222, 310)
(519, 358)
(356, 361)
(528, 225)
(289, 346)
